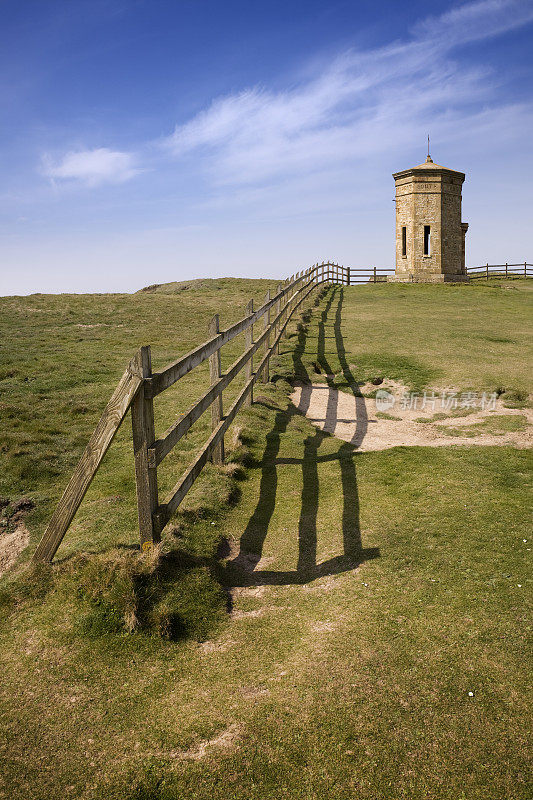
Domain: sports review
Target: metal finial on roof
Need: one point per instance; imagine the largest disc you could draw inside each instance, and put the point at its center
(429, 160)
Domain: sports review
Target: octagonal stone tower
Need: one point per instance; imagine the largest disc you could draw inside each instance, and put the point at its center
(430, 237)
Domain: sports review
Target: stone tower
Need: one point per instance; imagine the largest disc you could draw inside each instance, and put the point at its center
(430, 237)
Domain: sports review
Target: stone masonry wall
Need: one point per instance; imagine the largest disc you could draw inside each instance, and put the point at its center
(432, 199)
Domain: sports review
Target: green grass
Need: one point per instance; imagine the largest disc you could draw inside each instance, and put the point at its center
(391, 586)
(61, 357)
(406, 333)
(384, 415)
(456, 412)
(498, 425)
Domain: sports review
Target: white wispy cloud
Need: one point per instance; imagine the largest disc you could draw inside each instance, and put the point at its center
(91, 167)
(362, 104)
(477, 20)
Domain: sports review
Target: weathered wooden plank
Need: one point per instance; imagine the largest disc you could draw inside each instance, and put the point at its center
(177, 369)
(97, 447)
(170, 438)
(278, 316)
(266, 330)
(187, 479)
(248, 342)
(143, 428)
(217, 454)
(190, 475)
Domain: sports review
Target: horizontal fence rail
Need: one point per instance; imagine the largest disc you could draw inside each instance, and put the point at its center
(523, 270)
(359, 275)
(369, 274)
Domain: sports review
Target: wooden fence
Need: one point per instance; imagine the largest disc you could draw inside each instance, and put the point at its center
(139, 386)
(378, 274)
(487, 271)
(369, 274)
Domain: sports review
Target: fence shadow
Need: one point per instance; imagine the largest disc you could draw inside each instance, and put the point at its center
(242, 570)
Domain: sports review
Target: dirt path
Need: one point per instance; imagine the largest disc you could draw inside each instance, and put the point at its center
(357, 420)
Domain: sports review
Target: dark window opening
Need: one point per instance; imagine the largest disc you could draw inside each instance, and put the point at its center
(427, 240)
(404, 241)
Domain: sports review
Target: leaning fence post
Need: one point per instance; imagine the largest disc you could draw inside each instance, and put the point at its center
(248, 342)
(266, 326)
(143, 428)
(217, 456)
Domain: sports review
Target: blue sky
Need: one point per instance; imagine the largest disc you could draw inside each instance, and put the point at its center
(148, 141)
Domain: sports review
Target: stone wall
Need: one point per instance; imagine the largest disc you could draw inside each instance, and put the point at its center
(429, 195)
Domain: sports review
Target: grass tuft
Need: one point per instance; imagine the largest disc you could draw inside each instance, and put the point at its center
(167, 594)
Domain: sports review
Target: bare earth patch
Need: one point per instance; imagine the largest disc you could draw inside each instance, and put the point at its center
(12, 543)
(224, 740)
(354, 419)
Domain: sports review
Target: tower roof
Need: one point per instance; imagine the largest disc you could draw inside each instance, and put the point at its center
(428, 166)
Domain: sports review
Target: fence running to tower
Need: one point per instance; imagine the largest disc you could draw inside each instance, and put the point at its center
(140, 386)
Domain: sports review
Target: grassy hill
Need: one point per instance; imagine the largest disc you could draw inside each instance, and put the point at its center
(378, 648)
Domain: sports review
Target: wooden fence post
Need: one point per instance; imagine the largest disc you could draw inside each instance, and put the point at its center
(278, 311)
(216, 406)
(374, 275)
(487, 277)
(142, 423)
(266, 326)
(348, 276)
(525, 269)
(248, 342)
